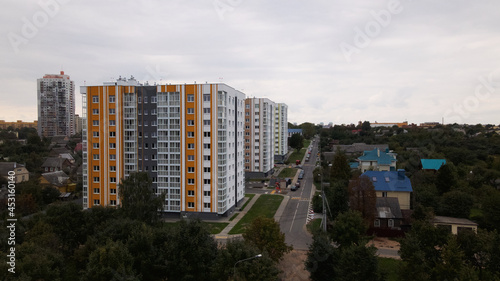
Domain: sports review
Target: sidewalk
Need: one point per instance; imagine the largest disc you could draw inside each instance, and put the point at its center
(225, 232)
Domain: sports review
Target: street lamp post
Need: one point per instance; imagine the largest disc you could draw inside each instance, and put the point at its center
(234, 267)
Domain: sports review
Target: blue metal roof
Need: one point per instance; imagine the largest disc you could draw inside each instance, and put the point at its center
(389, 180)
(378, 155)
(295, 130)
(432, 164)
(354, 165)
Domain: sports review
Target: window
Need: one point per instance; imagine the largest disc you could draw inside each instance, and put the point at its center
(206, 193)
(112, 202)
(206, 97)
(247, 106)
(112, 191)
(384, 194)
(112, 168)
(190, 204)
(154, 123)
(112, 111)
(206, 145)
(112, 98)
(96, 179)
(190, 97)
(206, 134)
(190, 145)
(190, 192)
(206, 110)
(206, 157)
(95, 145)
(153, 111)
(390, 223)
(96, 202)
(190, 122)
(112, 180)
(206, 181)
(376, 223)
(96, 168)
(95, 122)
(206, 205)
(206, 169)
(96, 156)
(190, 181)
(206, 122)
(95, 111)
(190, 169)
(190, 110)
(190, 134)
(153, 99)
(112, 157)
(145, 99)
(112, 145)
(190, 157)
(112, 122)
(95, 134)
(112, 134)
(95, 99)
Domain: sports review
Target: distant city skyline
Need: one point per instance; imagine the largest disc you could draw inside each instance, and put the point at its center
(339, 62)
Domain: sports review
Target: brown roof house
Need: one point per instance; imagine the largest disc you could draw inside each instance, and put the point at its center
(53, 164)
(57, 179)
(21, 174)
(454, 225)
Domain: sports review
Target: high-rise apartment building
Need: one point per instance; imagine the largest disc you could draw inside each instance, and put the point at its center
(189, 138)
(259, 136)
(280, 132)
(56, 105)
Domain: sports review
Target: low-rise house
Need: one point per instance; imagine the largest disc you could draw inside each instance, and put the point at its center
(454, 225)
(21, 174)
(68, 156)
(294, 131)
(377, 160)
(392, 184)
(53, 164)
(388, 213)
(57, 179)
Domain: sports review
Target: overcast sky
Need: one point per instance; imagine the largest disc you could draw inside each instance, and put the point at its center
(330, 61)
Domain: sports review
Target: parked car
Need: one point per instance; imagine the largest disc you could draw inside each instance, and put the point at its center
(301, 175)
(297, 184)
(293, 188)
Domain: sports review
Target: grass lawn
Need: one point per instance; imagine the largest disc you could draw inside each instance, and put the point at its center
(234, 216)
(390, 268)
(250, 196)
(287, 173)
(314, 225)
(265, 206)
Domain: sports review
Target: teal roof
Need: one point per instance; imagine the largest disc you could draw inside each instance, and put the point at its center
(378, 155)
(432, 164)
(354, 165)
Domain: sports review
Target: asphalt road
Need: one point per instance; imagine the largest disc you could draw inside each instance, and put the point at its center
(294, 218)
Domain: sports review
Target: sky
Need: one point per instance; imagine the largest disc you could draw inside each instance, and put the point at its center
(329, 61)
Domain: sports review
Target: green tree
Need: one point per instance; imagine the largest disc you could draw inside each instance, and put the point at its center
(349, 228)
(357, 262)
(308, 130)
(263, 268)
(321, 258)
(491, 210)
(191, 252)
(340, 170)
(447, 178)
(456, 204)
(68, 224)
(338, 198)
(266, 235)
(111, 262)
(296, 142)
(138, 199)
